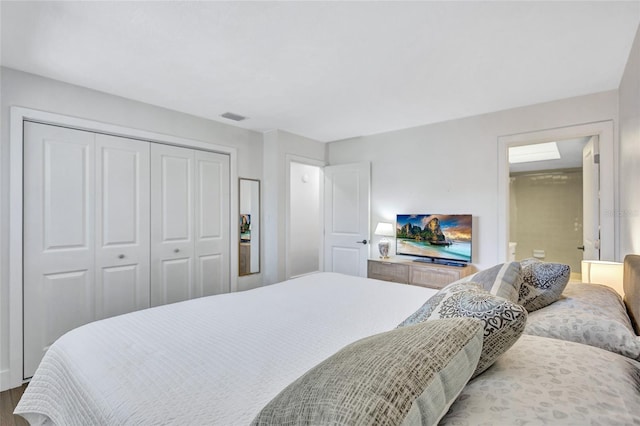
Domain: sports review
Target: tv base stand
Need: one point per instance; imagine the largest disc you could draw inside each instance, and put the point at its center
(440, 262)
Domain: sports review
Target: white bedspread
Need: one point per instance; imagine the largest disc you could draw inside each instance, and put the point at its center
(214, 360)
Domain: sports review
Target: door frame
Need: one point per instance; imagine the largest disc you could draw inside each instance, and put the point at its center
(608, 182)
(290, 158)
(17, 115)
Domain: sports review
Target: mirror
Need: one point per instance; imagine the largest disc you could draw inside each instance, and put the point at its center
(249, 257)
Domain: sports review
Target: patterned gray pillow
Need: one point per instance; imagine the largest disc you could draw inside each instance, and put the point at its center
(503, 320)
(503, 280)
(591, 314)
(542, 283)
(410, 376)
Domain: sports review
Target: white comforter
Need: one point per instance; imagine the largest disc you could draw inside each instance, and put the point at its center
(214, 360)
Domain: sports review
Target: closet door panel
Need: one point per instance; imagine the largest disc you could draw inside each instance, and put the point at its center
(122, 225)
(212, 223)
(68, 305)
(119, 290)
(176, 186)
(172, 218)
(58, 237)
(211, 275)
(176, 280)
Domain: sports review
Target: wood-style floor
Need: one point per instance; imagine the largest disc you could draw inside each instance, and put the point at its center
(8, 401)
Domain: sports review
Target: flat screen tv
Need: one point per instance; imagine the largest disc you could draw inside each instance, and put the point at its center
(444, 238)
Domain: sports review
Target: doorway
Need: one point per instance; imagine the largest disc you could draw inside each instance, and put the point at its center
(548, 202)
(304, 230)
(604, 131)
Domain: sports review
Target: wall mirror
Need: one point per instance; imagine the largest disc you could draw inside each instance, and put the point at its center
(249, 244)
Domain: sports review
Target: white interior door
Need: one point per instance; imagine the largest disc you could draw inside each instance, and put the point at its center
(212, 227)
(172, 217)
(122, 225)
(190, 224)
(104, 217)
(346, 198)
(58, 236)
(591, 200)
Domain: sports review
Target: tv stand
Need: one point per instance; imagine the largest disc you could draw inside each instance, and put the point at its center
(420, 273)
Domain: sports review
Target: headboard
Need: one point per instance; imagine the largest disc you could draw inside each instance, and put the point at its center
(632, 288)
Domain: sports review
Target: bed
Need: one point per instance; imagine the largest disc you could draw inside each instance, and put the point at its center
(318, 342)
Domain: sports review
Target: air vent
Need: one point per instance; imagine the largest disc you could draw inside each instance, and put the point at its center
(232, 116)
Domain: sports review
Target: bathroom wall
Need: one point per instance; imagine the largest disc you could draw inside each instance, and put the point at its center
(546, 215)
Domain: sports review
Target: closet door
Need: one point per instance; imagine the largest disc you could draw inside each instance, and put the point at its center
(172, 215)
(122, 225)
(189, 224)
(58, 236)
(86, 232)
(211, 223)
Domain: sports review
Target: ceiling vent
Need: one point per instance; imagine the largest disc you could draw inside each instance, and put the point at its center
(232, 116)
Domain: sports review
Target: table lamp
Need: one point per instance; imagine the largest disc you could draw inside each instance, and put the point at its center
(385, 230)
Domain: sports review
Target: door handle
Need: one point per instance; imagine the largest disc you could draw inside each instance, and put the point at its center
(362, 242)
(580, 248)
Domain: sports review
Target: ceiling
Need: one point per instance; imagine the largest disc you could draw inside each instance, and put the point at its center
(570, 157)
(326, 70)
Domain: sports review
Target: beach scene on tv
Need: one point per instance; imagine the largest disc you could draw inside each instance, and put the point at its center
(435, 236)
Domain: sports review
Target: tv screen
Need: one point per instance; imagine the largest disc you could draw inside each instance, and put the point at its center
(445, 237)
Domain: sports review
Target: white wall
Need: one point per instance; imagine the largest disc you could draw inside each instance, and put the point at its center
(304, 219)
(452, 167)
(629, 111)
(30, 91)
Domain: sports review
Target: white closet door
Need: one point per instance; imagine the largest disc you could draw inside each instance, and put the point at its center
(211, 223)
(172, 217)
(189, 224)
(122, 225)
(58, 236)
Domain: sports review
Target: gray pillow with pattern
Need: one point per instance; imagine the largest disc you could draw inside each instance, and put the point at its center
(591, 314)
(542, 283)
(405, 376)
(503, 280)
(502, 319)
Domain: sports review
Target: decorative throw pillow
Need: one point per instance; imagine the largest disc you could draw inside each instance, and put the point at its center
(409, 375)
(591, 314)
(503, 280)
(542, 283)
(502, 319)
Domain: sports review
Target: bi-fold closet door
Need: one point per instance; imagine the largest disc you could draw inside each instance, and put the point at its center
(189, 229)
(113, 225)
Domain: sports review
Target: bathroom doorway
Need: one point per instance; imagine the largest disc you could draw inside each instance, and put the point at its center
(602, 206)
(548, 199)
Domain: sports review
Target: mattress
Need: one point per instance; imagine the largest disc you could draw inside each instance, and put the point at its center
(213, 360)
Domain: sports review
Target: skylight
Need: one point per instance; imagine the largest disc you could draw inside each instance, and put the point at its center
(535, 152)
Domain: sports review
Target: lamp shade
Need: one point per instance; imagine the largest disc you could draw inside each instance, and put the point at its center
(602, 272)
(385, 229)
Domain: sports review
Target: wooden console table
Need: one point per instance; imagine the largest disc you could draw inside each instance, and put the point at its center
(432, 275)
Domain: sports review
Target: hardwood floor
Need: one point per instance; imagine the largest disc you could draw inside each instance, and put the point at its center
(8, 401)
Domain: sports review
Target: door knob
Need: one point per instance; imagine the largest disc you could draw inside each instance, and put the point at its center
(362, 242)
(121, 256)
(176, 250)
(580, 248)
